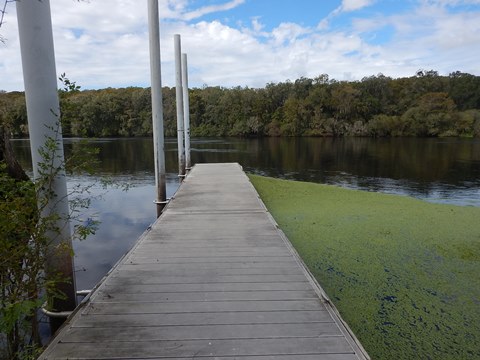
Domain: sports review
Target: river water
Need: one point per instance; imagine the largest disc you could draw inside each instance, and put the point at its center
(437, 170)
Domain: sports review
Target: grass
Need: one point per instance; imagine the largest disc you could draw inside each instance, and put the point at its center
(404, 273)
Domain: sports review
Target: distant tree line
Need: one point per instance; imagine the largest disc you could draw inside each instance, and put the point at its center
(426, 104)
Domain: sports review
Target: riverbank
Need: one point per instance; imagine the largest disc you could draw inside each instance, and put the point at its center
(402, 272)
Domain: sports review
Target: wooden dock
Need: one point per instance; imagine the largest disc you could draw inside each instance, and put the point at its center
(214, 278)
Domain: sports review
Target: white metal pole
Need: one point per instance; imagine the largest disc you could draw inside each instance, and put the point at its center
(179, 94)
(186, 111)
(43, 109)
(157, 105)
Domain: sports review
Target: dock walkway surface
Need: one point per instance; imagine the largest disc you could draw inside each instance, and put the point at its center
(214, 278)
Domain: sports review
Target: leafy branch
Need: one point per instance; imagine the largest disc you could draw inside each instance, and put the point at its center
(29, 226)
(3, 11)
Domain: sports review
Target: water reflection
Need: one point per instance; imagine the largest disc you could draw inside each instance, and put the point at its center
(124, 216)
(440, 170)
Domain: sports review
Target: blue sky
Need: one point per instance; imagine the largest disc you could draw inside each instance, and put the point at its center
(271, 13)
(104, 43)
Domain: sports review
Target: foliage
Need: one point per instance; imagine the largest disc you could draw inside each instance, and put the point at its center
(25, 240)
(3, 10)
(21, 243)
(27, 236)
(402, 272)
(425, 104)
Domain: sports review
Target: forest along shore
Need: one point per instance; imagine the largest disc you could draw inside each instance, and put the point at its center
(425, 104)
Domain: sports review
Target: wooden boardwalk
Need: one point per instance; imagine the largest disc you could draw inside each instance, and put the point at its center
(214, 278)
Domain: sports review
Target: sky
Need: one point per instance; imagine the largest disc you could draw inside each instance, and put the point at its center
(104, 43)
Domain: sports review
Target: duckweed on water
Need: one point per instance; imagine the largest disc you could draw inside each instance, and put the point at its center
(404, 274)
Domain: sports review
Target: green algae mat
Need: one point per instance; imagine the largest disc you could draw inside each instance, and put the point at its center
(404, 273)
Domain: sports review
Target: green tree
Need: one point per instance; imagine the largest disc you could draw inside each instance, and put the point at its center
(433, 116)
(375, 106)
(464, 89)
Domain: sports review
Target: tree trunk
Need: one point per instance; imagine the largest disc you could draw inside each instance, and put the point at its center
(6, 154)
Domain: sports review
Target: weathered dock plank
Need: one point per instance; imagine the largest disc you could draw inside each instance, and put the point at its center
(216, 318)
(214, 278)
(201, 348)
(204, 332)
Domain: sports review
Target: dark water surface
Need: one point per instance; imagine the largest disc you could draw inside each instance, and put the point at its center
(437, 170)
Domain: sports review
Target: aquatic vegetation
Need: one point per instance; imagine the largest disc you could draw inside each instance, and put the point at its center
(403, 273)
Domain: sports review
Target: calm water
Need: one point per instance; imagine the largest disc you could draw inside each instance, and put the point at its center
(438, 170)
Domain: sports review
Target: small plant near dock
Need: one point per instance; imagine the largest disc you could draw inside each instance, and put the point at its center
(25, 242)
(27, 233)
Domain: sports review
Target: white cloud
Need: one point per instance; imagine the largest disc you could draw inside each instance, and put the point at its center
(352, 5)
(105, 44)
(287, 33)
(345, 6)
(428, 37)
(257, 25)
(211, 9)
